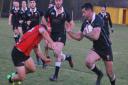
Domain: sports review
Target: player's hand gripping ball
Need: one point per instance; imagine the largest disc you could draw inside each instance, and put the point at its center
(87, 29)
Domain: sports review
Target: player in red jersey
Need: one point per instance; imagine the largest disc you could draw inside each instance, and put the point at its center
(21, 52)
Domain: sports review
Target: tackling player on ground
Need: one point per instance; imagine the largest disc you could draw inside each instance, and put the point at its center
(23, 63)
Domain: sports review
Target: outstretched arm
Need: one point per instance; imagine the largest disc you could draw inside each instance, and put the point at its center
(45, 34)
(10, 19)
(77, 36)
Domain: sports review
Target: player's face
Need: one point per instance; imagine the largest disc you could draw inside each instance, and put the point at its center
(103, 9)
(85, 13)
(24, 4)
(58, 3)
(32, 4)
(16, 4)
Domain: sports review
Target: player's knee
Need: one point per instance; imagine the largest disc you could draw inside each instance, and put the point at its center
(33, 69)
(88, 63)
(57, 52)
(109, 72)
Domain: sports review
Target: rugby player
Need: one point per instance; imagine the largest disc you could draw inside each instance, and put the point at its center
(107, 21)
(21, 52)
(14, 19)
(101, 45)
(58, 17)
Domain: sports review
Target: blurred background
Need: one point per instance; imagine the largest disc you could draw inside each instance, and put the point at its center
(117, 8)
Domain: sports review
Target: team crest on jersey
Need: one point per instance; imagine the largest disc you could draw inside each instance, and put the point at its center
(52, 13)
(29, 15)
(106, 16)
(21, 12)
(59, 39)
(36, 14)
(62, 15)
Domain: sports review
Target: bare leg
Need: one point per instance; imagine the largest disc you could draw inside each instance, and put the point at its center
(90, 62)
(109, 71)
(28, 67)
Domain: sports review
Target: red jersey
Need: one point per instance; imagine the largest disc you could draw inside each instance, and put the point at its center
(29, 40)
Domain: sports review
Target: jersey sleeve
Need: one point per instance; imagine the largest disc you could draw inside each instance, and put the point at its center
(11, 11)
(68, 17)
(47, 13)
(82, 27)
(98, 23)
(41, 12)
(28, 15)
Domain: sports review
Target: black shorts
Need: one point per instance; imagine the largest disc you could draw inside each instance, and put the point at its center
(59, 37)
(18, 57)
(24, 28)
(106, 55)
(15, 25)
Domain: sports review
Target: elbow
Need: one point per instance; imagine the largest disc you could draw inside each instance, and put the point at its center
(95, 38)
(79, 39)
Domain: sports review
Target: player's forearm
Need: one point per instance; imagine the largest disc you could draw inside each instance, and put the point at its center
(72, 24)
(74, 36)
(44, 21)
(10, 19)
(92, 36)
(47, 37)
(38, 52)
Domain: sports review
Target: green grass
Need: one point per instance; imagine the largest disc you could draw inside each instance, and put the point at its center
(80, 75)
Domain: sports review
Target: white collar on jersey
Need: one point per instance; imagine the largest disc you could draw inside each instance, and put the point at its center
(104, 13)
(16, 8)
(24, 9)
(33, 10)
(60, 11)
(93, 17)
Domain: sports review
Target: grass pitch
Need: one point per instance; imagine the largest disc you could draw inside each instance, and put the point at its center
(79, 75)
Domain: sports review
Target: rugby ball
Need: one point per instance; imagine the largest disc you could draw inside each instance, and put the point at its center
(88, 28)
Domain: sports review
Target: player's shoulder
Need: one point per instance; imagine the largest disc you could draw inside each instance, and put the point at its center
(39, 10)
(98, 21)
(98, 18)
(108, 14)
(85, 22)
(12, 10)
(99, 14)
(50, 9)
(28, 10)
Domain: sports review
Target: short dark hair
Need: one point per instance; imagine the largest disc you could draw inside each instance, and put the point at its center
(23, 0)
(15, 0)
(104, 6)
(32, 0)
(87, 6)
